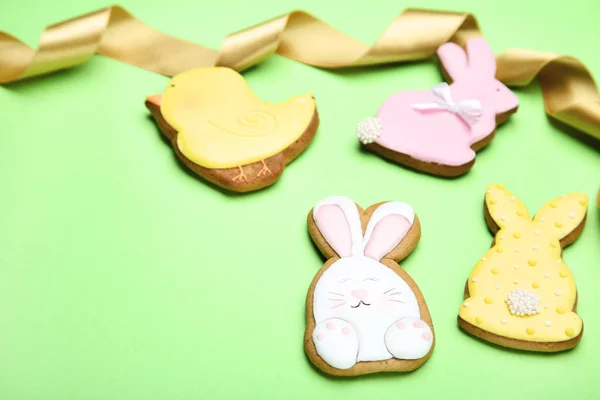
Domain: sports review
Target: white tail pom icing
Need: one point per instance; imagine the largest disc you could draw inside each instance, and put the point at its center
(521, 302)
(368, 130)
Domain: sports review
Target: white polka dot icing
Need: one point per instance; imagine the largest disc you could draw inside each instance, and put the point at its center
(526, 256)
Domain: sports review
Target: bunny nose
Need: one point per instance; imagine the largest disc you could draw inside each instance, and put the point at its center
(360, 294)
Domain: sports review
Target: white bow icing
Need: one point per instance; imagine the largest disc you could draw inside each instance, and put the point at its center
(469, 110)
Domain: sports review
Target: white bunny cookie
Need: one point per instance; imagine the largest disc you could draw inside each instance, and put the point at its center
(364, 313)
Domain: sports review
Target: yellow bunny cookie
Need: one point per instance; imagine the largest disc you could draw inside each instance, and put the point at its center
(521, 294)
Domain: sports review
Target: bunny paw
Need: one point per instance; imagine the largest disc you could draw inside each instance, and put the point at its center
(409, 339)
(336, 343)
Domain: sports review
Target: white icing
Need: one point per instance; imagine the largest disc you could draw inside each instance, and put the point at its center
(367, 296)
(336, 343)
(469, 110)
(368, 130)
(521, 302)
(350, 211)
(370, 322)
(390, 208)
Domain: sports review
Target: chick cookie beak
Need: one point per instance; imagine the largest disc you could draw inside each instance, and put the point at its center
(155, 99)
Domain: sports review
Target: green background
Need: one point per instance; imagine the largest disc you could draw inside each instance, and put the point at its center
(122, 276)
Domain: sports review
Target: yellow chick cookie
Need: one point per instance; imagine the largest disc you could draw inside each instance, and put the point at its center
(521, 294)
(217, 124)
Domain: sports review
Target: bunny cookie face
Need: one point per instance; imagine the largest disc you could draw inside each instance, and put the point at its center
(439, 131)
(521, 294)
(364, 313)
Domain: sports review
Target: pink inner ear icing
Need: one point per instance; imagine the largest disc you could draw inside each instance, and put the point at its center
(482, 61)
(386, 235)
(453, 59)
(334, 227)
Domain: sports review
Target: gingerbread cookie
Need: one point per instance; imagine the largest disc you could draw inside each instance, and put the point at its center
(439, 131)
(521, 294)
(364, 314)
(225, 134)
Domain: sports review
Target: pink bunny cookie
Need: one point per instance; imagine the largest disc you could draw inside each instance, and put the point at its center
(439, 131)
(364, 313)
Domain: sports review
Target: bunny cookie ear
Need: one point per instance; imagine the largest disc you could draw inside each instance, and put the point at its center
(481, 57)
(454, 60)
(388, 225)
(504, 207)
(338, 220)
(563, 215)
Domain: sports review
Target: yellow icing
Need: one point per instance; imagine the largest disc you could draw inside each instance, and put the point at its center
(222, 124)
(530, 260)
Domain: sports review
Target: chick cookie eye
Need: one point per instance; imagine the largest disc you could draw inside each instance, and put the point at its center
(174, 86)
(497, 89)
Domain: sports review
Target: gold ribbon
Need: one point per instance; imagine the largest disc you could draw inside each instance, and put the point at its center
(570, 94)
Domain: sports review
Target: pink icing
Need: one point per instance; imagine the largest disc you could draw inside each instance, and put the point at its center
(419, 324)
(333, 225)
(360, 294)
(345, 330)
(321, 336)
(400, 325)
(426, 335)
(440, 136)
(330, 325)
(386, 235)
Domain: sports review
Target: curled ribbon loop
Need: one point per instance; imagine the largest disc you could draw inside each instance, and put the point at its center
(570, 94)
(469, 110)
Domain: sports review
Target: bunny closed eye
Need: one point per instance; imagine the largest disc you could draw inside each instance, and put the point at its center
(363, 309)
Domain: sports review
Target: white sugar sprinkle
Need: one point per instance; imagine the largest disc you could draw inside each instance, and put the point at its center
(537, 231)
(546, 275)
(466, 304)
(572, 215)
(504, 321)
(536, 246)
(521, 303)
(558, 293)
(548, 323)
(517, 266)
